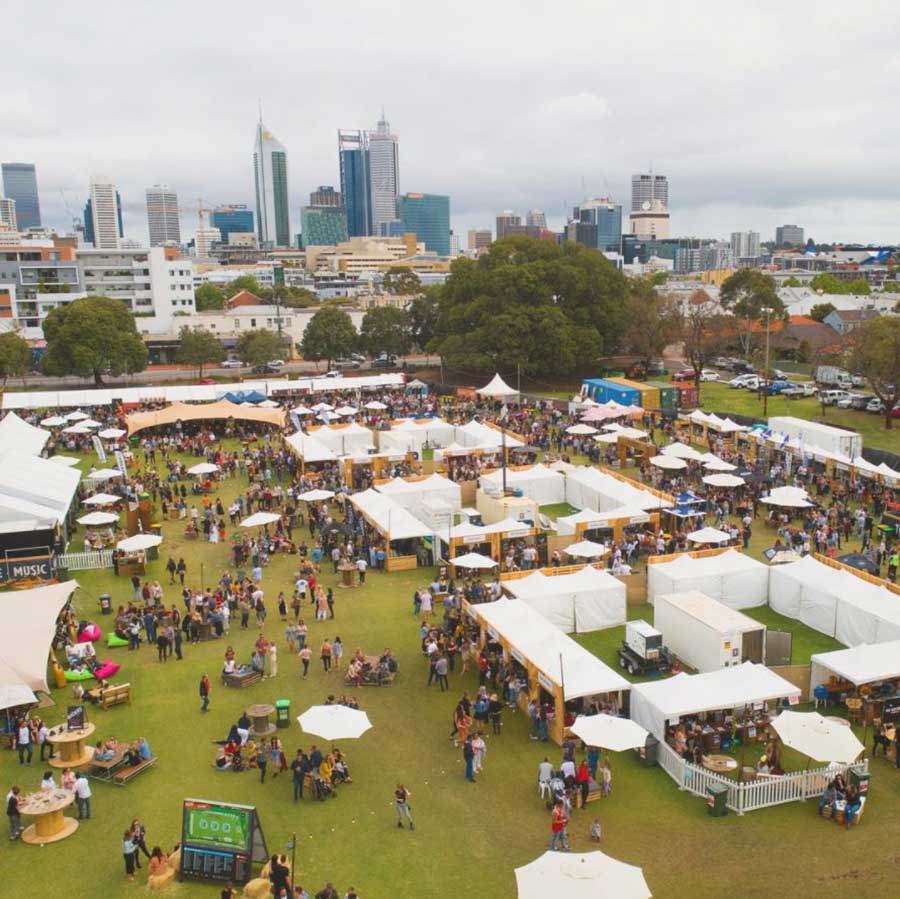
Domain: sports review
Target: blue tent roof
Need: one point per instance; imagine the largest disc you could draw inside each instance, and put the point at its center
(244, 396)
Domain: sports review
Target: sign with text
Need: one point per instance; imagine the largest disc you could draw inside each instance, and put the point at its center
(26, 569)
(99, 448)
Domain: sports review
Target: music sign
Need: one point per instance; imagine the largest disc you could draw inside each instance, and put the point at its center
(26, 569)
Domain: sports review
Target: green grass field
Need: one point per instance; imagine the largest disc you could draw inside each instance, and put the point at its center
(469, 837)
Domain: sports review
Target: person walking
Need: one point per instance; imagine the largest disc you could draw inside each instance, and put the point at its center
(305, 656)
(82, 790)
(182, 570)
(23, 741)
(128, 851)
(204, 693)
(558, 822)
(12, 813)
(262, 760)
(361, 566)
(337, 652)
(326, 655)
(171, 568)
(469, 757)
(441, 667)
(401, 801)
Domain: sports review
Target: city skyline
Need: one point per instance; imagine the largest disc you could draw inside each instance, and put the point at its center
(586, 127)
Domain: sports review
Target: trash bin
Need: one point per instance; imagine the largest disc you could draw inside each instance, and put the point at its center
(649, 752)
(860, 781)
(283, 713)
(716, 796)
(105, 603)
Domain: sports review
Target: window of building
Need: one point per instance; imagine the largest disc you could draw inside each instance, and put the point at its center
(237, 324)
(252, 322)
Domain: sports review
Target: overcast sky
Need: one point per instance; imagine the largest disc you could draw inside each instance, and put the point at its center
(759, 113)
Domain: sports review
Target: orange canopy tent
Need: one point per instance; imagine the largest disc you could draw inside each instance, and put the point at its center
(138, 421)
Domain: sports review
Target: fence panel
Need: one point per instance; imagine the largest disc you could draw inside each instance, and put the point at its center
(85, 561)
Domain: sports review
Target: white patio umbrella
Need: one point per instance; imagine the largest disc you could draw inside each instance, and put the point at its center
(268, 404)
(724, 480)
(816, 737)
(334, 722)
(586, 549)
(137, 542)
(788, 498)
(68, 461)
(77, 415)
(682, 451)
(203, 468)
(90, 423)
(101, 499)
(587, 875)
(300, 409)
(258, 519)
(322, 407)
(609, 732)
(670, 463)
(98, 518)
(376, 405)
(709, 535)
(76, 429)
(346, 410)
(54, 421)
(112, 433)
(473, 560)
(103, 474)
(718, 465)
(316, 495)
(583, 430)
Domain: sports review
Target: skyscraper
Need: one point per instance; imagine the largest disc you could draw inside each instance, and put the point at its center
(162, 216)
(744, 245)
(8, 221)
(536, 219)
(508, 223)
(353, 157)
(205, 235)
(322, 226)
(428, 217)
(235, 219)
(20, 184)
(270, 175)
(480, 238)
(104, 211)
(606, 217)
(384, 174)
(789, 236)
(326, 195)
(647, 188)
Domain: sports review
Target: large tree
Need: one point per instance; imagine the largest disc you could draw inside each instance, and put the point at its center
(827, 283)
(653, 320)
(704, 331)
(386, 329)
(875, 353)
(748, 293)
(401, 280)
(545, 307)
(209, 298)
(245, 282)
(92, 336)
(259, 346)
(821, 311)
(199, 347)
(423, 314)
(295, 297)
(15, 356)
(329, 335)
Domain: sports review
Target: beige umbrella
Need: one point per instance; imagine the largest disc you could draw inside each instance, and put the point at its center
(588, 875)
(816, 737)
(670, 463)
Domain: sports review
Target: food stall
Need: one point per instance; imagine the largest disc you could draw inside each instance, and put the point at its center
(404, 538)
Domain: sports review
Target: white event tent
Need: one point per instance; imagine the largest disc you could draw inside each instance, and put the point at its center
(309, 448)
(567, 525)
(386, 514)
(498, 389)
(35, 494)
(655, 703)
(421, 496)
(345, 439)
(863, 664)
(590, 488)
(412, 434)
(18, 435)
(478, 435)
(537, 482)
(585, 600)
(731, 577)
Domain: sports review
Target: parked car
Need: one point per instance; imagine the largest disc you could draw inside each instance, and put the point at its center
(232, 363)
(875, 405)
(861, 400)
(686, 374)
(742, 381)
(357, 357)
(275, 364)
(709, 374)
(777, 387)
(796, 391)
(333, 373)
(833, 397)
(722, 362)
(743, 368)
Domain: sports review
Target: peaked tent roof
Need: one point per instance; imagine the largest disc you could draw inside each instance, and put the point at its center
(310, 449)
(497, 388)
(220, 409)
(17, 434)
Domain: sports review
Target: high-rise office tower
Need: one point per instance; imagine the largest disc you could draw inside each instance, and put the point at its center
(163, 219)
(322, 226)
(647, 188)
(8, 220)
(428, 217)
(234, 219)
(603, 221)
(744, 245)
(508, 223)
(789, 236)
(205, 235)
(271, 179)
(353, 156)
(326, 195)
(480, 238)
(384, 174)
(20, 184)
(536, 220)
(104, 210)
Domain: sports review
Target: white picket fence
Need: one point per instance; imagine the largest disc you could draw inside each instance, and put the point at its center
(85, 561)
(747, 796)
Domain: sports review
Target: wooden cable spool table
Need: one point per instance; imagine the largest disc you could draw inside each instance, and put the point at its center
(261, 726)
(50, 824)
(721, 764)
(348, 572)
(72, 753)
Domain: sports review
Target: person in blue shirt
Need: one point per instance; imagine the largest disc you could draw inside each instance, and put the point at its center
(143, 748)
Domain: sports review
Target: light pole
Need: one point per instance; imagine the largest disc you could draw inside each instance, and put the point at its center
(768, 312)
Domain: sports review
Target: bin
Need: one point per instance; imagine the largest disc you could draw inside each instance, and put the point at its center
(860, 781)
(105, 603)
(716, 796)
(283, 713)
(649, 752)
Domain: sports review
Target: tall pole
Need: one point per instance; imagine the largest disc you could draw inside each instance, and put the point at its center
(768, 312)
(518, 378)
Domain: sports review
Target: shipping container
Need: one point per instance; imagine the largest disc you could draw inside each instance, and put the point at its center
(601, 390)
(649, 393)
(668, 396)
(688, 396)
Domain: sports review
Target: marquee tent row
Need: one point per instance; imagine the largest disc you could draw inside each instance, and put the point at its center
(590, 488)
(567, 525)
(477, 434)
(537, 482)
(411, 435)
(585, 600)
(712, 421)
(425, 497)
(388, 516)
(731, 577)
(107, 396)
(344, 439)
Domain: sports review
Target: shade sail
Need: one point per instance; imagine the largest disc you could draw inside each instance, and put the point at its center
(13, 690)
(609, 732)
(816, 737)
(589, 875)
(497, 388)
(18, 435)
(221, 409)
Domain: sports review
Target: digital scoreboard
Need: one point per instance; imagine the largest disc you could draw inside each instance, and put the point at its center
(220, 840)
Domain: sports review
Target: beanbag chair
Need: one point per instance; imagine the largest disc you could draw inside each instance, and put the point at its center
(81, 674)
(159, 881)
(91, 634)
(113, 640)
(107, 669)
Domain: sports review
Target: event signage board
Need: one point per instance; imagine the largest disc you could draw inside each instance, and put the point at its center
(99, 449)
(545, 682)
(75, 717)
(26, 569)
(120, 462)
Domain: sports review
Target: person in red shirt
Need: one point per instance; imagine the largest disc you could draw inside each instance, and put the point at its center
(558, 821)
(583, 781)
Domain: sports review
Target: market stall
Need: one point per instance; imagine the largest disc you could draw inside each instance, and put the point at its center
(401, 533)
(423, 495)
(311, 452)
(414, 434)
(604, 491)
(350, 438)
(485, 434)
(490, 539)
(537, 482)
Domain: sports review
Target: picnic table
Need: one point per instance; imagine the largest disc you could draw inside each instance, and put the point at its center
(103, 769)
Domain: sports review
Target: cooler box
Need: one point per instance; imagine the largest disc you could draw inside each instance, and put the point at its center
(716, 796)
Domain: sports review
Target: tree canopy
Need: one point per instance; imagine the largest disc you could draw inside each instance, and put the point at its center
(748, 293)
(91, 336)
(821, 311)
(329, 335)
(653, 320)
(386, 329)
(199, 347)
(259, 346)
(401, 280)
(423, 314)
(245, 282)
(208, 298)
(875, 353)
(703, 329)
(15, 356)
(546, 307)
(829, 284)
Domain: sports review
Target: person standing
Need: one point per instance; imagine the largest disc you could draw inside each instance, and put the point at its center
(182, 570)
(469, 757)
(139, 838)
(262, 761)
(479, 747)
(401, 801)
(82, 790)
(361, 566)
(204, 693)
(23, 741)
(299, 770)
(329, 599)
(441, 666)
(273, 659)
(326, 655)
(128, 853)
(337, 652)
(558, 822)
(171, 568)
(12, 813)
(177, 637)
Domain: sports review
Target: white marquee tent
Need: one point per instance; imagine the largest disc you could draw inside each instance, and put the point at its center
(471, 534)
(498, 389)
(585, 600)
(346, 439)
(731, 577)
(655, 703)
(478, 435)
(590, 488)
(34, 493)
(389, 516)
(416, 494)
(863, 664)
(411, 434)
(537, 482)
(18, 435)
(309, 448)
(566, 525)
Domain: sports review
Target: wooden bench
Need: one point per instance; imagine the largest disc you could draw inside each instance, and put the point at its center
(123, 775)
(242, 679)
(373, 679)
(115, 695)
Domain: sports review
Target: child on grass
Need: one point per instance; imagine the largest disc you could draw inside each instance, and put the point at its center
(595, 830)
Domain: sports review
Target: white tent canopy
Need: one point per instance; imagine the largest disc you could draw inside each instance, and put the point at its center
(18, 435)
(537, 482)
(13, 689)
(586, 549)
(29, 618)
(863, 664)
(730, 577)
(310, 449)
(559, 657)
(708, 535)
(101, 499)
(498, 389)
(681, 451)
(788, 498)
(415, 494)
(567, 524)
(655, 703)
(474, 561)
(470, 533)
(389, 516)
(586, 600)
(345, 439)
(411, 435)
(590, 488)
(37, 486)
(477, 434)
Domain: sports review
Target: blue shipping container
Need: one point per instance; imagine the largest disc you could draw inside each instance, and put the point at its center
(602, 391)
